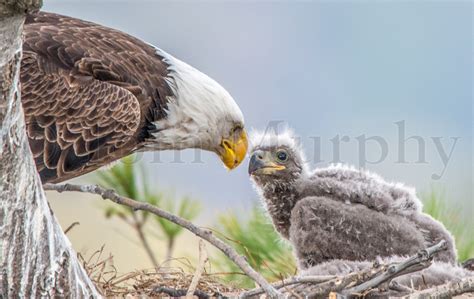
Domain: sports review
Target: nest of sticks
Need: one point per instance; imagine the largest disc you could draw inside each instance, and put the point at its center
(163, 282)
(177, 282)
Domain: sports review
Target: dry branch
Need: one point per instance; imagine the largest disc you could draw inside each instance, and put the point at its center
(360, 283)
(203, 233)
(291, 281)
(355, 284)
(415, 263)
(199, 269)
(334, 285)
(447, 290)
(70, 227)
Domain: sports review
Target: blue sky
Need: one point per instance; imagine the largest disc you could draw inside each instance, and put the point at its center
(346, 68)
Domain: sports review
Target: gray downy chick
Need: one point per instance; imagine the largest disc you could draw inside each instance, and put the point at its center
(338, 212)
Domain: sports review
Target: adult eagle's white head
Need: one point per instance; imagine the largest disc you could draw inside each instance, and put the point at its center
(92, 95)
(200, 114)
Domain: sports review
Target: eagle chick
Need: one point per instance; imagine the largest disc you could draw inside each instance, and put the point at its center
(338, 212)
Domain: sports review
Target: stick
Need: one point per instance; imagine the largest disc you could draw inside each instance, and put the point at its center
(448, 290)
(356, 283)
(339, 283)
(203, 233)
(290, 281)
(415, 263)
(68, 229)
(200, 268)
(181, 293)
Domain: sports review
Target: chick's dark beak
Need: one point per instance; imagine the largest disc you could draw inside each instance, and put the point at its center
(261, 163)
(256, 162)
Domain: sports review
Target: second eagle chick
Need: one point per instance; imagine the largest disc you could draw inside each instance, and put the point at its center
(339, 212)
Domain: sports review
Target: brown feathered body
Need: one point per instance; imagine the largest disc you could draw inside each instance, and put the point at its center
(84, 109)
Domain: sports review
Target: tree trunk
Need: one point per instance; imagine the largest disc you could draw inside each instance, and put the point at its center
(36, 258)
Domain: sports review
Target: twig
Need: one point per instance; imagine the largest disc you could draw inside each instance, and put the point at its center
(342, 282)
(355, 283)
(290, 281)
(181, 293)
(205, 234)
(395, 286)
(200, 268)
(415, 263)
(447, 290)
(68, 229)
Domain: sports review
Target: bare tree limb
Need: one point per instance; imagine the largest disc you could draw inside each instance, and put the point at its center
(447, 290)
(205, 234)
(357, 283)
(199, 269)
(415, 263)
(70, 227)
(337, 284)
(290, 281)
(181, 293)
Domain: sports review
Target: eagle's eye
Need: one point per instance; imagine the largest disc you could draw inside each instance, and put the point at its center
(282, 156)
(237, 128)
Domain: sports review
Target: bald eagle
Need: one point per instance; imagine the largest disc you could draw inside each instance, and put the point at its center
(92, 95)
(339, 212)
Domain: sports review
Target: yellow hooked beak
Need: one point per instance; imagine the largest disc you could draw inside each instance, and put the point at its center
(234, 151)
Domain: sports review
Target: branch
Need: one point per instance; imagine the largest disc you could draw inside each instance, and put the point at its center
(339, 283)
(415, 263)
(290, 281)
(200, 268)
(447, 290)
(68, 229)
(203, 233)
(356, 283)
(181, 293)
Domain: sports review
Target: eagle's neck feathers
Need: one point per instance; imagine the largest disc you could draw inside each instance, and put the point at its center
(198, 110)
(279, 198)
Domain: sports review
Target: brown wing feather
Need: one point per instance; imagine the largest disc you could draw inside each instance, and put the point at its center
(75, 128)
(90, 94)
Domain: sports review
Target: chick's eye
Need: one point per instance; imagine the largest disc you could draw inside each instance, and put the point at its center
(282, 156)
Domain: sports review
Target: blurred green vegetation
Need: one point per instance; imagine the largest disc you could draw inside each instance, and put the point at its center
(256, 239)
(462, 228)
(129, 178)
(186, 208)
